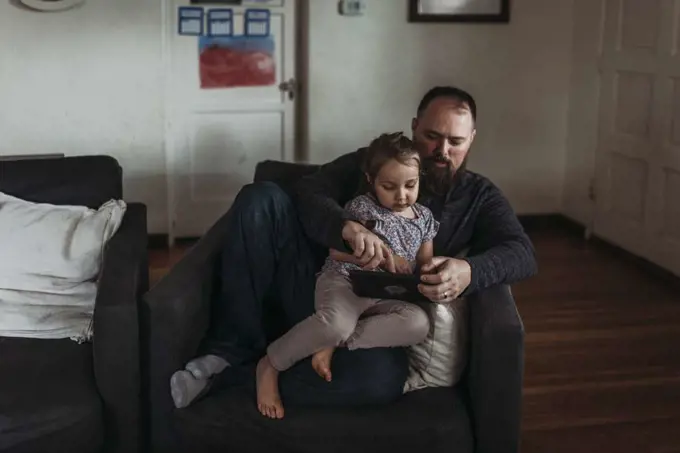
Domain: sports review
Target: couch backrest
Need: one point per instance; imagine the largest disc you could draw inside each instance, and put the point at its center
(285, 174)
(78, 180)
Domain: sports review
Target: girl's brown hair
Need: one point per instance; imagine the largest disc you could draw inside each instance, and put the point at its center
(388, 146)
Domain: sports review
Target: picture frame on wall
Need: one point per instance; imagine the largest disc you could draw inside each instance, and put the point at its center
(217, 2)
(495, 11)
(253, 3)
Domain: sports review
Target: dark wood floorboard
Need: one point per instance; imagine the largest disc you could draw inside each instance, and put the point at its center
(602, 350)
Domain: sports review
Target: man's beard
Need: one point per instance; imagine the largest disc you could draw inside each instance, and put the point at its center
(439, 180)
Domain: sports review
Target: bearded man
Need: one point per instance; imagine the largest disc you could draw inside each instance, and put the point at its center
(277, 243)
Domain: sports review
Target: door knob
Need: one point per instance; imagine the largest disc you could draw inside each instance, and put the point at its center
(290, 86)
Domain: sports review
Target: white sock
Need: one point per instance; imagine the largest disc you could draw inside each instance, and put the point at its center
(185, 388)
(206, 366)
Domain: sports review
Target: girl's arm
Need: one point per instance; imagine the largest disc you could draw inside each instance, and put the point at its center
(425, 254)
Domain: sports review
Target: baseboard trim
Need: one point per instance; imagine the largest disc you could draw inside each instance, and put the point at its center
(159, 241)
(546, 222)
(542, 222)
(640, 262)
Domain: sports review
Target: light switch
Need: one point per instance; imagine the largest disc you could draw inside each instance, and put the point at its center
(352, 7)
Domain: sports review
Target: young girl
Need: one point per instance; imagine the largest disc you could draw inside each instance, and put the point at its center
(392, 169)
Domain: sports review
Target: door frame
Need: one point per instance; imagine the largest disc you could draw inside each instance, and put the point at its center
(300, 117)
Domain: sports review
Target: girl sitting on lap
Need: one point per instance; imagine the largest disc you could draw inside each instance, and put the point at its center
(392, 168)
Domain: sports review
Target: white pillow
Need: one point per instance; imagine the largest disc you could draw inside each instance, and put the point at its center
(50, 259)
(440, 360)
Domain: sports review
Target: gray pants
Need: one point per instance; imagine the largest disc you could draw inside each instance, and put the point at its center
(343, 317)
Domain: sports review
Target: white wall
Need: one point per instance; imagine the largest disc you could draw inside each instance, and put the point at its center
(91, 81)
(88, 81)
(368, 73)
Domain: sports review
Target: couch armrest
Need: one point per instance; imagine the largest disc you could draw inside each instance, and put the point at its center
(495, 370)
(176, 319)
(123, 281)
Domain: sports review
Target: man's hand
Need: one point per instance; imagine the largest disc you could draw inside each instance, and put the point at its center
(445, 278)
(367, 247)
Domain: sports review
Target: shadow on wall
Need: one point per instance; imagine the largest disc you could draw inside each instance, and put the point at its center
(150, 189)
(211, 177)
(20, 5)
(201, 188)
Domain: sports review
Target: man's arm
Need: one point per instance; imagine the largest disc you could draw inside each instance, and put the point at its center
(500, 251)
(319, 198)
(344, 257)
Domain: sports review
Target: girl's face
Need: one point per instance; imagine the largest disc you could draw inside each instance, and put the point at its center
(396, 185)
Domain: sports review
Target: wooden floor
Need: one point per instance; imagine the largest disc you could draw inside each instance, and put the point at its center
(602, 351)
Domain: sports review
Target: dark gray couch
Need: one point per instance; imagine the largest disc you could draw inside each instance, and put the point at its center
(58, 395)
(480, 415)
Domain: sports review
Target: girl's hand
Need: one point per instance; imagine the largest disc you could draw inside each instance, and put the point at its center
(368, 248)
(402, 265)
(347, 258)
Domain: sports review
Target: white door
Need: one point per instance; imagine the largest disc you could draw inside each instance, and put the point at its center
(229, 107)
(638, 159)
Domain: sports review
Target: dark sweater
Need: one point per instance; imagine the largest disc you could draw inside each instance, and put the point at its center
(474, 214)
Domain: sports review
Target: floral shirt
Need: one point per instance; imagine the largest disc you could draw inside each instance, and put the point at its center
(403, 236)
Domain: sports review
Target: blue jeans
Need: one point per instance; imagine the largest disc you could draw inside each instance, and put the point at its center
(268, 270)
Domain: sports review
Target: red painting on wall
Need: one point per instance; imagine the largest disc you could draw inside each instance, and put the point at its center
(239, 61)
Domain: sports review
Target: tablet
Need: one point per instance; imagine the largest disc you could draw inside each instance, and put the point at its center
(385, 285)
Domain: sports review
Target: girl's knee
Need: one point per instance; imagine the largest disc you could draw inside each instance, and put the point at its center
(339, 327)
(341, 330)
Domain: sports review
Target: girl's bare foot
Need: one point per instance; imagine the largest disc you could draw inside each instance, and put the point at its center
(321, 362)
(268, 397)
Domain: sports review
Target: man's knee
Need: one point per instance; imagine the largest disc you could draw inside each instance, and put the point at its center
(417, 325)
(361, 377)
(262, 194)
(379, 373)
(264, 205)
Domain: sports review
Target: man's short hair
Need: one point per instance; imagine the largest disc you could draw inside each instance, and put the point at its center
(454, 93)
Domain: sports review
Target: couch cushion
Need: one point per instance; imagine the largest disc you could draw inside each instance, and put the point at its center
(48, 398)
(432, 420)
(79, 180)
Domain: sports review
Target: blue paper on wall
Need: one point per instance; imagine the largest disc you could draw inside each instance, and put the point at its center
(190, 21)
(257, 22)
(220, 22)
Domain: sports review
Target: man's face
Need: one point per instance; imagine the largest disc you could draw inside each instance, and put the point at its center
(444, 133)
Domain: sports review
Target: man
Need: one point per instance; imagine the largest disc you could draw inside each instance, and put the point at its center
(269, 262)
